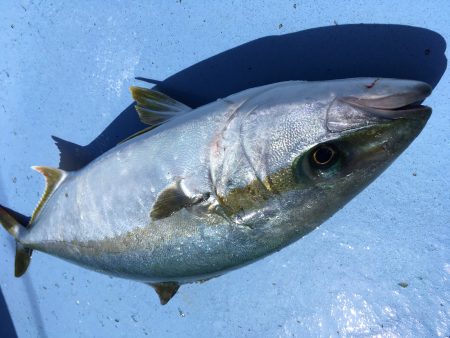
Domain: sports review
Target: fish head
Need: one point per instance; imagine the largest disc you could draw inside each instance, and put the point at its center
(311, 147)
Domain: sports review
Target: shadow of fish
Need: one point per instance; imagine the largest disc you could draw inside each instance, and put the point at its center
(355, 50)
(200, 192)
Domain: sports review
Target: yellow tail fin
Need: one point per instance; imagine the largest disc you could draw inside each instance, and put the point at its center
(23, 254)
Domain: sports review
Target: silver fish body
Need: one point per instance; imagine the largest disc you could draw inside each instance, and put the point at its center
(223, 185)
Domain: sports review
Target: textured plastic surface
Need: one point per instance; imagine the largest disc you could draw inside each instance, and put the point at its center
(379, 266)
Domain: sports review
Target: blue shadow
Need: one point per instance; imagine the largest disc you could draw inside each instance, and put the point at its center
(7, 329)
(332, 52)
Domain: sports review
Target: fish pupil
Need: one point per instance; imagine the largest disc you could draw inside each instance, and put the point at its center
(323, 156)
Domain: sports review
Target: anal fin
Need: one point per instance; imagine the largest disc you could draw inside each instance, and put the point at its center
(165, 290)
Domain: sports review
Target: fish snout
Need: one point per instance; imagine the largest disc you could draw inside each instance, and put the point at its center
(379, 101)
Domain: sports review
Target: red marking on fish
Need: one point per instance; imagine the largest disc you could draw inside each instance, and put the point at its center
(371, 84)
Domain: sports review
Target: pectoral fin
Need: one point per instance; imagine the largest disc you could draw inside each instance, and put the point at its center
(165, 290)
(174, 198)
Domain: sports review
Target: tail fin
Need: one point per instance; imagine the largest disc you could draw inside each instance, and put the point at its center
(23, 259)
(23, 254)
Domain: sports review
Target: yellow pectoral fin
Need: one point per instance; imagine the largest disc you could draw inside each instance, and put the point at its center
(174, 198)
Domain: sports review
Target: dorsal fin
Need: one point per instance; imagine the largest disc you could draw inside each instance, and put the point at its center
(140, 132)
(155, 107)
(53, 178)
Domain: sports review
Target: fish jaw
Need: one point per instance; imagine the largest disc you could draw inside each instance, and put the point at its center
(372, 103)
(367, 152)
(390, 94)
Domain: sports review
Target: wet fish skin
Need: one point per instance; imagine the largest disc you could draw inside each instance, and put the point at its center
(228, 183)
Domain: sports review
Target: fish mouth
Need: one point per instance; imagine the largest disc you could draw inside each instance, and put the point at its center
(405, 104)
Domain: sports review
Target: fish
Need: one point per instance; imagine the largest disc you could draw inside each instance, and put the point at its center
(204, 191)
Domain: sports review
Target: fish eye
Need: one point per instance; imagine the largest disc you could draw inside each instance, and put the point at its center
(323, 156)
(320, 163)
